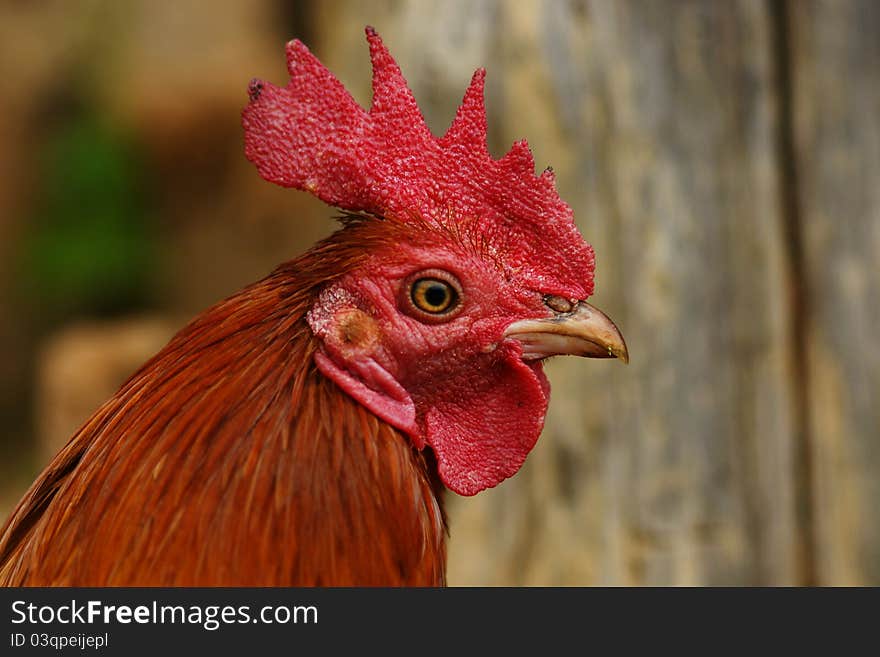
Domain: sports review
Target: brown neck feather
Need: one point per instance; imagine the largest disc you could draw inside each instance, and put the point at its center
(228, 459)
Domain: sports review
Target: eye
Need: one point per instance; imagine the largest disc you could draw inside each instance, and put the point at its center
(433, 295)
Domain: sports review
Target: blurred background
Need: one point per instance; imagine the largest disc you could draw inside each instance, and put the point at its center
(722, 157)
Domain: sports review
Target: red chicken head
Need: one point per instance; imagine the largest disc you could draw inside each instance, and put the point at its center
(441, 329)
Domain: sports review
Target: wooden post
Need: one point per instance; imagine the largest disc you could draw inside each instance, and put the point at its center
(662, 121)
(836, 111)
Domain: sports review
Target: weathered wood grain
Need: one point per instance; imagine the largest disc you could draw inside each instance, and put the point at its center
(836, 106)
(661, 121)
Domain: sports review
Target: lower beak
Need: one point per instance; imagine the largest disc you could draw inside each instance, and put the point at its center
(585, 331)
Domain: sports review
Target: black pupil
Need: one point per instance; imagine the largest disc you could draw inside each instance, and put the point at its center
(436, 294)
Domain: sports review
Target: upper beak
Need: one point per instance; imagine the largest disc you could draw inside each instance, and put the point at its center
(584, 331)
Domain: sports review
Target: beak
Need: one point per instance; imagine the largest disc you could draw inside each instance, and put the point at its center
(584, 331)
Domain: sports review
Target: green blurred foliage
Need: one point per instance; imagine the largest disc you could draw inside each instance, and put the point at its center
(88, 248)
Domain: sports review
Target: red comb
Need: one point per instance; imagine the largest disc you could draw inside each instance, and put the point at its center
(312, 135)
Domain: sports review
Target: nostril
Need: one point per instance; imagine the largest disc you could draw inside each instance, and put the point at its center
(558, 304)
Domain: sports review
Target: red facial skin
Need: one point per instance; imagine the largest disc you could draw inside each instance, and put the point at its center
(454, 383)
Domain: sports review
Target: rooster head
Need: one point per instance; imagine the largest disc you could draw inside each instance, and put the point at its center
(442, 329)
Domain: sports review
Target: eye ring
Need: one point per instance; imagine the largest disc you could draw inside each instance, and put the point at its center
(432, 295)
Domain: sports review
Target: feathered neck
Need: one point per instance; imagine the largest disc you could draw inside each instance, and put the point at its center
(228, 459)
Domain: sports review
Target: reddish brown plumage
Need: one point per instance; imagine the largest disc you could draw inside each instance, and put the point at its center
(228, 459)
